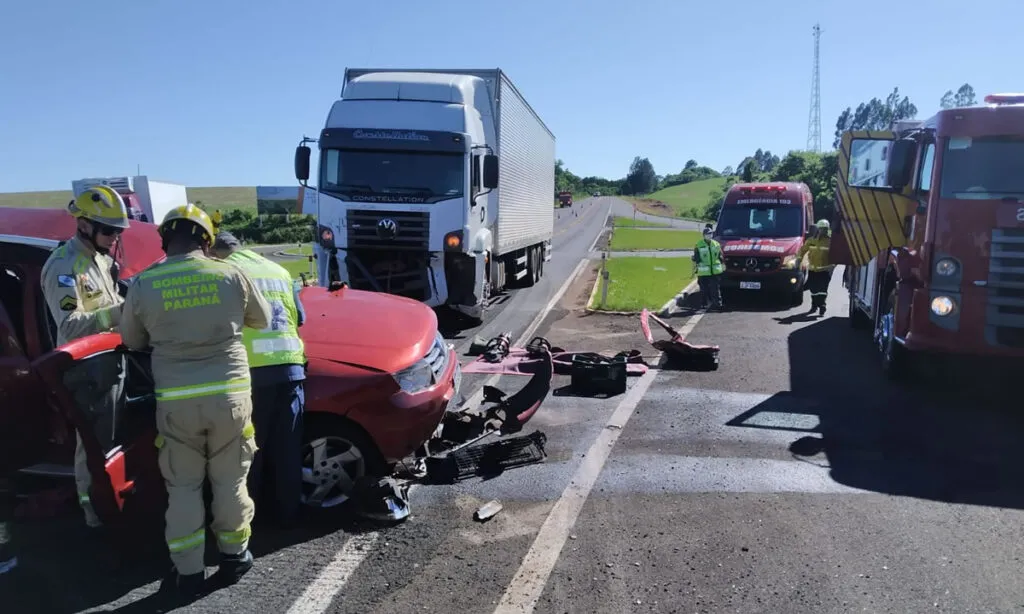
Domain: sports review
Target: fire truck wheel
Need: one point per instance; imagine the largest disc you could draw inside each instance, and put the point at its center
(895, 359)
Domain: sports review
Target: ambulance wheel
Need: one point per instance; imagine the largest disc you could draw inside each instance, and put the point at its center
(335, 454)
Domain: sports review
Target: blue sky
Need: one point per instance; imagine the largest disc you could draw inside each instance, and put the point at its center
(220, 92)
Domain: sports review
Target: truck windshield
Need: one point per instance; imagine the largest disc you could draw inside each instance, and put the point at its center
(982, 168)
(393, 173)
(770, 223)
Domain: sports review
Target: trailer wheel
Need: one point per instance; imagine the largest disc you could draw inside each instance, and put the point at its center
(895, 358)
(531, 268)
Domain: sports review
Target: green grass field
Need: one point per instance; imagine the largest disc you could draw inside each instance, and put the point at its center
(225, 198)
(628, 222)
(636, 283)
(636, 239)
(297, 266)
(687, 200)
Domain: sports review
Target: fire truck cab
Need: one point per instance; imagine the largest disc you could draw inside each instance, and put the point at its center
(931, 228)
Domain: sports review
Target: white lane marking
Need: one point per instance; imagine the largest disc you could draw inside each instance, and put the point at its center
(604, 227)
(682, 293)
(319, 595)
(528, 584)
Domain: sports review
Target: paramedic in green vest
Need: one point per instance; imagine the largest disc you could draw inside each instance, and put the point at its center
(707, 259)
(277, 369)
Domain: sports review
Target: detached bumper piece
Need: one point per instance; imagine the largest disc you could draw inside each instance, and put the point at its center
(457, 454)
(679, 353)
(486, 460)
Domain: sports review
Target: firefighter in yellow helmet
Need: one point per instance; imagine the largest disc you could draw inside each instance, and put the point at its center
(80, 290)
(191, 310)
(819, 270)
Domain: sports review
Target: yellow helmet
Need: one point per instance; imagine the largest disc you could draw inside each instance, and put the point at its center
(188, 213)
(102, 205)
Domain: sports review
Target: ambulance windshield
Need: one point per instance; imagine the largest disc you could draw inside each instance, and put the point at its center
(767, 222)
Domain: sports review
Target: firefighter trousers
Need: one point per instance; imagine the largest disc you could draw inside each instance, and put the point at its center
(277, 411)
(817, 283)
(206, 437)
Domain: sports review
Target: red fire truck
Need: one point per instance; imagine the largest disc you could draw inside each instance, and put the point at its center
(931, 228)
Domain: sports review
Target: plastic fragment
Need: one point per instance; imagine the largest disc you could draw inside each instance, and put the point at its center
(488, 510)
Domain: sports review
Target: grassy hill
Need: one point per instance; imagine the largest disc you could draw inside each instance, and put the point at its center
(687, 200)
(225, 198)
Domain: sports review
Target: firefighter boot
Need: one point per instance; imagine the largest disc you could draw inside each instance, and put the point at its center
(233, 567)
(187, 587)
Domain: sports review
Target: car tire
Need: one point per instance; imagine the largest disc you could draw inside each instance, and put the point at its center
(348, 454)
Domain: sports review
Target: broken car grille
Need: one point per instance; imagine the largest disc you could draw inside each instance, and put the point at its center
(437, 357)
(1004, 316)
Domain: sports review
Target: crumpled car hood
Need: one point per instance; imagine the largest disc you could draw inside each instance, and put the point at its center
(370, 329)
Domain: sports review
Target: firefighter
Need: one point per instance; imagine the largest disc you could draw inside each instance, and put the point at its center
(819, 270)
(707, 258)
(82, 295)
(191, 309)
(277, 367)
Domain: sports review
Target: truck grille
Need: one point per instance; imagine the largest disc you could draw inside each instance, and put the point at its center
(388, 230)
(1005, 311)
(402, 273)
(752, 264)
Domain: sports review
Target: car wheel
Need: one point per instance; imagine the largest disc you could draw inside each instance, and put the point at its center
(335, 455)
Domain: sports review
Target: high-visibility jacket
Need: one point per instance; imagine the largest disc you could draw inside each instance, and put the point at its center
(816, 249)
(279, 343)
(191, 310)
(80, 291)
(709, 258)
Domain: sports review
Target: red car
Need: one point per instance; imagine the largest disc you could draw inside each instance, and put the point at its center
(380, 378)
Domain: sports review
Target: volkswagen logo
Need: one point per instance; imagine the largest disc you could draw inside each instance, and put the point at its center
(751, 263)
(387, 228)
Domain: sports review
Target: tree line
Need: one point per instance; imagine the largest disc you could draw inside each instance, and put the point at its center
(817, 170)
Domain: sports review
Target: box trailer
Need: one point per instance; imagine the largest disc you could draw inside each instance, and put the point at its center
(147, 200)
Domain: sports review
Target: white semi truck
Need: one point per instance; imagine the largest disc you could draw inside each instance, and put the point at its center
(433, 184)
(147, 200)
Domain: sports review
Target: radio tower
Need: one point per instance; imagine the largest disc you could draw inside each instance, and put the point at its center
(814, 118)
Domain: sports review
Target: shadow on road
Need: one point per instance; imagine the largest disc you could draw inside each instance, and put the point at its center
(954, 441)
(63, 567)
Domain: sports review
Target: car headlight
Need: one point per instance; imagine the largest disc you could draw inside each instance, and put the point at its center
(425, 372)
(415, 378)
(790, 262)
(946, 267)
(942, 305)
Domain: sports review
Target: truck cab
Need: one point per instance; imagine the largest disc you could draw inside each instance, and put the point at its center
(409, 199)
(761, 227)
(931, 226)
(564, 199)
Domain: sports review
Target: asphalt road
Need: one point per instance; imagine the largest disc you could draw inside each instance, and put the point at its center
(792, 479)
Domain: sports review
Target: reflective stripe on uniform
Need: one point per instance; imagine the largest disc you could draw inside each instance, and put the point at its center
(188, 542)
(235, 538)
(83, 497)
(278, 344)
(710, 262)
(240, 385)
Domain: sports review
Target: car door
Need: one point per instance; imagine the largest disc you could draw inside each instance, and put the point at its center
(106, 392)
